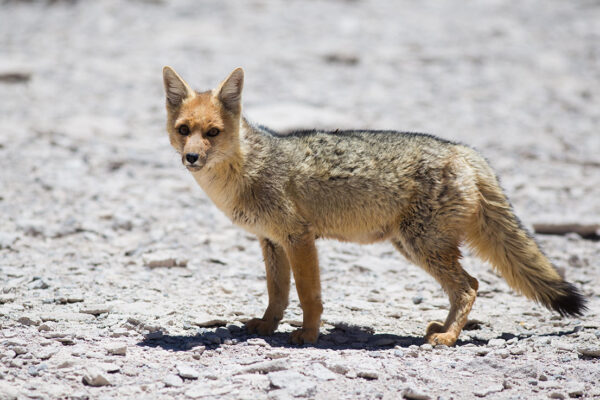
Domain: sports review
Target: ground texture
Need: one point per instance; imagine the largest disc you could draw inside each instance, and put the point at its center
(119, 278)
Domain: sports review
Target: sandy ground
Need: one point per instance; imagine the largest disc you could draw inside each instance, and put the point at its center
(95, 205)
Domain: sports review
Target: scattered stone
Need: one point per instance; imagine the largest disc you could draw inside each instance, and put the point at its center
(8, 391)
(187, 372)
(258, 342)
(557, 395)
(497, 342)
(35, 370)
(7, 240)
(484, 391)
(481, 351)
(94, 376)
(209, 321)
(117, 349)
(39, 284)
(414, 394)
(322, 373)
(153, 335)
(7, 298)
(29, 320)
(293, 382)
(95, 309)
(198, 391)
(263, 367)
(367, 374)
(338, 368)
(164, 260)
(46, 327)
(70, 298)
(46, 354)
(172, 380)
(589, 351)
(119, 332)
(417, 299)
(575, 389)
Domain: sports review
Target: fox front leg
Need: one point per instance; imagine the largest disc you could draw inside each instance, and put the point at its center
(278, 287)
(302, 255)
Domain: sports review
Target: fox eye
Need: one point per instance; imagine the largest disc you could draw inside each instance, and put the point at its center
(213, 132)
(184, 130)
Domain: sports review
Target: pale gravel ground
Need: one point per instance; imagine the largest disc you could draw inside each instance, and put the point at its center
(90, 191)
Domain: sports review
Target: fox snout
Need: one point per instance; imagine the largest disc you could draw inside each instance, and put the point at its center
(193, 161)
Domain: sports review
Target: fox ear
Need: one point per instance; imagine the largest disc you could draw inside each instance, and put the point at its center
(175, 88)
(230, 91)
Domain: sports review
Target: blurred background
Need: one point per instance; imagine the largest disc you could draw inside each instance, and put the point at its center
(518, 80)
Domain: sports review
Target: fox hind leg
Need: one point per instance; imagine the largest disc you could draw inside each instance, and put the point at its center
(441, 260)
(278, 287)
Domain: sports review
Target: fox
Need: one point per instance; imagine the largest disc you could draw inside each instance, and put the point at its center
(426, 195)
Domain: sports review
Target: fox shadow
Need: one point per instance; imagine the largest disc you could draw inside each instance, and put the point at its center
(341, 337)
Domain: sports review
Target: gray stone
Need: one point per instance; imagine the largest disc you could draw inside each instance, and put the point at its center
(367, 373)
(186, 371)
(153, 335)
(487, 390)
(589, 351)
(29, 320)
(263, 367)
(95, 309)
(415, 394)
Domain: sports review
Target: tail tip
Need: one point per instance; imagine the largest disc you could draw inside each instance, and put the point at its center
(571, 303)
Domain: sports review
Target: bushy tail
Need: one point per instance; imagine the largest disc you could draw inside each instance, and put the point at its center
(497, 236)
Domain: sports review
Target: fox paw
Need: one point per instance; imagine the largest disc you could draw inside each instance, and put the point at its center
(434, 327)
(301, 336)
(446, 338)
(260, 326)
(435, 335)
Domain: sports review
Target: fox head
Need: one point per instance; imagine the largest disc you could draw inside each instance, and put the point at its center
(203, 127)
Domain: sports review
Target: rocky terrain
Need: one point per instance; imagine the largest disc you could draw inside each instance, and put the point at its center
(119, 278)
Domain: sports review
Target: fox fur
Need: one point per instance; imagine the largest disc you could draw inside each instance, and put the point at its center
(425, 195)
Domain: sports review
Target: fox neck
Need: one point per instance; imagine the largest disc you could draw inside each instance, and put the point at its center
(222, 182)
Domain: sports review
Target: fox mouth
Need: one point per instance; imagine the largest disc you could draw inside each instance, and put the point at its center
(193, 167)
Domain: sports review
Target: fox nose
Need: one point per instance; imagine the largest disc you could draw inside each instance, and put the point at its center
(191, 157)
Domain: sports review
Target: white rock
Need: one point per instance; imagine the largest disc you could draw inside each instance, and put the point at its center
(164, 259)
(295, 383)
(8, 391)
(263, 367)
(172, 380)
(95, 309)
(117, 349)
(322, 373)
(497, 343)
(197, 391)
(484, 391)
(414, 394)
(95, 376)
(186, 371)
